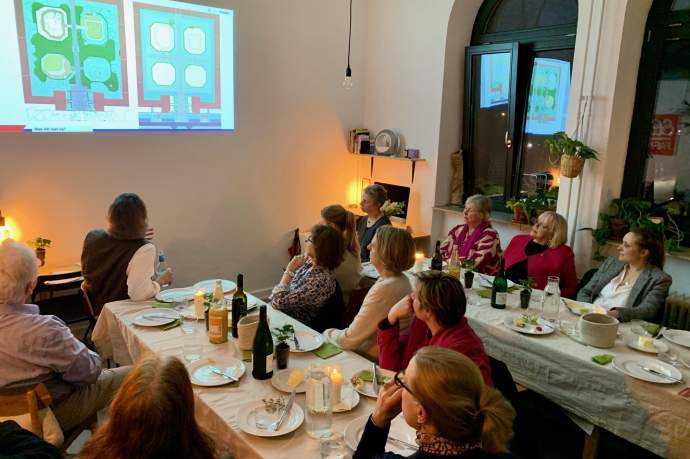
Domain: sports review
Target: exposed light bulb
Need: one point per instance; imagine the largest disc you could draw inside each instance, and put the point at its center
(347, 81)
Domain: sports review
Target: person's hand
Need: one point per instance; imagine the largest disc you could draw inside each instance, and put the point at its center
(165, 278)
(149, 233)
(401, 310)
(296, 262)
(388, 404)
(614, 313)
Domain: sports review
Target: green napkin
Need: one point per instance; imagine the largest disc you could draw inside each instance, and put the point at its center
(365, 375)
(327, 350)
(247, 356)
(163, 305)
(602, 359)
(171, 325)
(651, 328)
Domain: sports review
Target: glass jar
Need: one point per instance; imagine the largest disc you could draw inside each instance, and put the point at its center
(319, 416)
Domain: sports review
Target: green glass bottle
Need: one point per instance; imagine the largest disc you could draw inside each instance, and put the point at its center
(262, 350)
(499, 291)
(239, 304)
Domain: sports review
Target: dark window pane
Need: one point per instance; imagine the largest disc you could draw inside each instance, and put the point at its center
(512, 15)
(679, 5)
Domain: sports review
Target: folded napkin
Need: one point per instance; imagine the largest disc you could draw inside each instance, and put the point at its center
(327, 350)
(171, 325)
(247, 356)
(602, 359)
(486, 292)
(163, 305)
(365, 375)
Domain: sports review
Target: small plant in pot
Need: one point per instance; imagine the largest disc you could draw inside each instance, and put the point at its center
(469, 266)
(571, 153)
(40, 245)
(526, 292)
(518, 208)
(283, 335)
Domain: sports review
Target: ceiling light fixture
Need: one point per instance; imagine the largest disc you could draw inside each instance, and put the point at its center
(347, 82)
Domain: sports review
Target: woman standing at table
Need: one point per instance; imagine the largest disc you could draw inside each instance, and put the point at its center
(543, 253)
(632, 285)
(475, 239)
(443, 397)
(309, 281)
(392, 253)
(437, 306)
(152, 415)
(348, 273)
(119, 263)
(373, 197)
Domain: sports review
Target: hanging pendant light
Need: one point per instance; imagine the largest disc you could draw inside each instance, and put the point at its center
(347, 82)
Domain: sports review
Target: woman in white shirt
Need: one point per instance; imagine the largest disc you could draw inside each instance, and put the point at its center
(633, 285)
(392, 253)
(119, 263)
(348, 274)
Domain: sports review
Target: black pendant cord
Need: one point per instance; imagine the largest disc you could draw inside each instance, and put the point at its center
(348, 71)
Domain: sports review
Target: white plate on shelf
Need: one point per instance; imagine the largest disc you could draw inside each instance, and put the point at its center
(155, 317)
(659, 346)
(209, 285)
(367, 388)
(247, 420)
(545, 328)
(308, 341)
(632, 366)
(401, 437)
(679, 337)
(172, 295)
(201, 374)
(279, 380)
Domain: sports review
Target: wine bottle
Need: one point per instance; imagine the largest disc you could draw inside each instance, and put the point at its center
(262, 349)
(437, 260)
(239, 304)
(499, 291)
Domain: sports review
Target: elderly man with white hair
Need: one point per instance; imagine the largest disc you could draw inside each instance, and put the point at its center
(38, 348)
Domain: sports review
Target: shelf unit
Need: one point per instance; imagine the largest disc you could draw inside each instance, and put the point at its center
(395, 158)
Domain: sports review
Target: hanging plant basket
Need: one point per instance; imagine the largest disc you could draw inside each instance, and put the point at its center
(571, 166)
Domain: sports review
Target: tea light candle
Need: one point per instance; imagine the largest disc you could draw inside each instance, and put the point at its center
(336, 386)
(199, 304)
(418, 262)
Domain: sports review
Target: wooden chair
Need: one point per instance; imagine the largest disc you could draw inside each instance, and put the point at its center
(90, 310)
(23, 400)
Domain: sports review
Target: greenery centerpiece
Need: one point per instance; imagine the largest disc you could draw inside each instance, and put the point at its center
(526, 292)
(393, 208)
(283, 335)
(572, 154)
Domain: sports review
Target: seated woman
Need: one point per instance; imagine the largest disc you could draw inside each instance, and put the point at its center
(119, 263)
(543, 253)
(442, 396)
(438, 306)
(309, 281)
(152, 415)
(475, 239)
(348, 273)
(373, 197)
(633, 285)
(392, 253)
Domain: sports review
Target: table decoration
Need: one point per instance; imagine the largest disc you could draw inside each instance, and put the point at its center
(336, 378)
(327, 350)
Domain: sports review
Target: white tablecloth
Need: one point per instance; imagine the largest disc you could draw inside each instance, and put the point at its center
(650, 415)
(216, 408)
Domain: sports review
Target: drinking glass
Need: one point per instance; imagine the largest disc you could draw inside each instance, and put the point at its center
(334, 447)
(551, 300)
(319, 416)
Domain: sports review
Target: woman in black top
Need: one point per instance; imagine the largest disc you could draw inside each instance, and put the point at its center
(373, 197)
(443, 397)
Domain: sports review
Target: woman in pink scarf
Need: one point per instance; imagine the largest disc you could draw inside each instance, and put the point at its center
(475, 239)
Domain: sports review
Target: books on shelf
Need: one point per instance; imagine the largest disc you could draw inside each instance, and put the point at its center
(358, 141)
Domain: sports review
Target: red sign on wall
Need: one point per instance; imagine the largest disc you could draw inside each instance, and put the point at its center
(664, 135)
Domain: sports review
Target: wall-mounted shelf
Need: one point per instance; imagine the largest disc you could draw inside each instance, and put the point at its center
(396, 158)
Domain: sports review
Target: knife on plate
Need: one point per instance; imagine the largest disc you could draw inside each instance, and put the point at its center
(660, 374)
(287, 410)
(374, 379)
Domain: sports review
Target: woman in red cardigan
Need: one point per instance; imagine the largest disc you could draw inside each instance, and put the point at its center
(543, 253)
(437, 308)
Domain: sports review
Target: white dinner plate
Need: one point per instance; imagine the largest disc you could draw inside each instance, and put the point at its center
(172, 295)
(576, 307)
(659, 346)
(485, 280)
(632, 366)
(201, 374)
(209, 285)
(247, 421)
(155, 317)
(279, 380)
(401, 437)
(367, 388)
(529, 329)
(308, 341)
(680, 337)
(349, 399)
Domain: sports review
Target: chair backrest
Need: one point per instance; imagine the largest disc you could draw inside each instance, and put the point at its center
(52, 283)
(331, 313)
(25, 400)
(353, 306)
(87, 301)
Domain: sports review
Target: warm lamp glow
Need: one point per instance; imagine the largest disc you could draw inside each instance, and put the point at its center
(353, 192)
(10, 230)
(556, 173)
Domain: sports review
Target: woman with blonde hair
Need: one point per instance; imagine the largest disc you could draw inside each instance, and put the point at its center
(392, 253)
(373, 198)
(152, 415)
(348, 274)
(443, 397)
(542, 253)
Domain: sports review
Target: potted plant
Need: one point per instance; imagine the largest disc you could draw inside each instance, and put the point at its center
(518, 208)
(526, 292)
(572, 153)
(469, 266)
(392, 209)
(283, 335)
(40, 245)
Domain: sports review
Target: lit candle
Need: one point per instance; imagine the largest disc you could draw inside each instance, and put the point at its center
(199, 304)
(336, 386)
(418, 262)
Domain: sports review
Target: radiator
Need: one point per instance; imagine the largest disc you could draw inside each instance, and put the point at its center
(677, 312)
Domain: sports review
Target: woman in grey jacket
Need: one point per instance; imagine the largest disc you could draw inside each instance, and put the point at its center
(634, 285)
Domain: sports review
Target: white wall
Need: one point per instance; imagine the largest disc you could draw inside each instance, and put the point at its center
(220, 202)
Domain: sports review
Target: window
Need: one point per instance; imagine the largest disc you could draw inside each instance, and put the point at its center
(658, 164)
(517, 79)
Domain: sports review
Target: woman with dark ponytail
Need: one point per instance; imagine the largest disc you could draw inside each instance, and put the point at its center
(442, 395)
(632, 285)
(348, 274)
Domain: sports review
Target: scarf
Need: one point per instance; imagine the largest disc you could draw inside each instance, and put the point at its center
(440, 446)
(464, 244)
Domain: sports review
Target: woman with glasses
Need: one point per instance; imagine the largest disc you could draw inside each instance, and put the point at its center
(437, 307)
(475, 239)
(443, 397)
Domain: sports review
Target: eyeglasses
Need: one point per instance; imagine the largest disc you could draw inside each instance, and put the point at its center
(400, 383)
